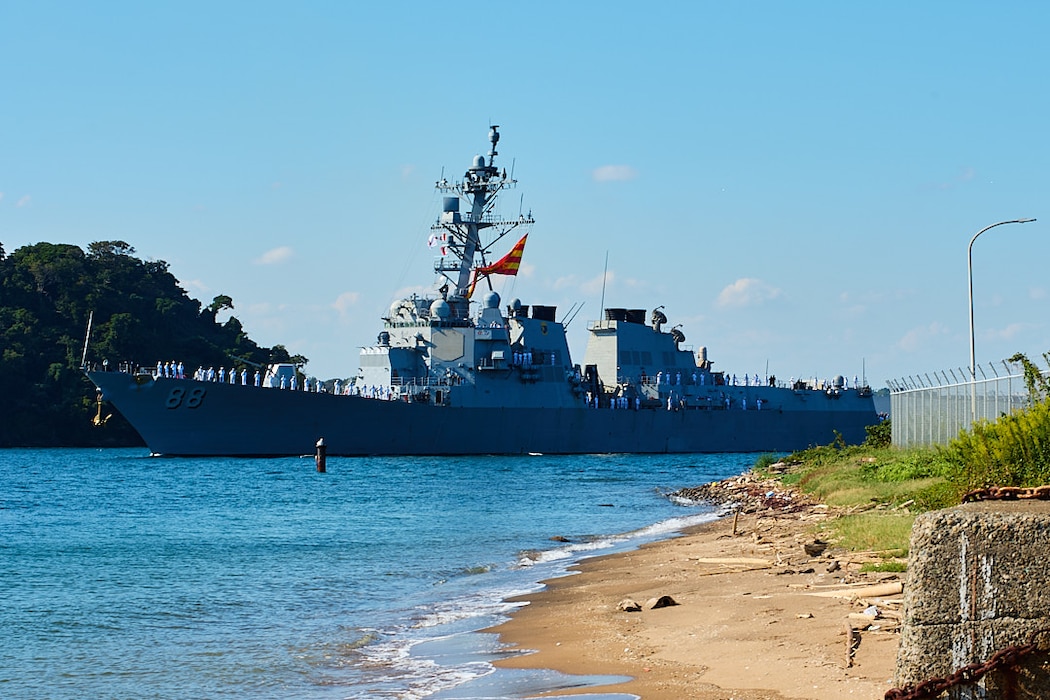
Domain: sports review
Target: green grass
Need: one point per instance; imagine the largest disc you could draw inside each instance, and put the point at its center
(886, 566)
(887, 534)
(885, 486)
(859, 475)
(882, 486)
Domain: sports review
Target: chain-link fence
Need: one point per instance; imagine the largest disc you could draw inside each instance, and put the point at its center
(932, 410)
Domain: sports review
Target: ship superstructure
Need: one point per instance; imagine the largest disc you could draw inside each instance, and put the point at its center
(457, 371)
(433, 350)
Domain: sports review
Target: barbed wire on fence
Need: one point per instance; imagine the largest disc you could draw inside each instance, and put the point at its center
(931, 410)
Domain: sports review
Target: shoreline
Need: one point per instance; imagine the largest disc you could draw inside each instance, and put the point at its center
(756, 616)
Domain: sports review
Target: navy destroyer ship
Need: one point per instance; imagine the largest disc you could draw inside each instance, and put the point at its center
(458, 372)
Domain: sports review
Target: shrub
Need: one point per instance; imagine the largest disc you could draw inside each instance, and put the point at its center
(942, 494)
(1013, 451)
(879, 435)
(904, 465)
(763, 462)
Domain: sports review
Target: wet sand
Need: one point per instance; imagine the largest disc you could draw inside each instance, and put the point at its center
(756, 615)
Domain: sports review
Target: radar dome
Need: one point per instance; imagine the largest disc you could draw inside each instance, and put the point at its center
(490, 300)
(440, 309)
(479, 162)
(515, 304)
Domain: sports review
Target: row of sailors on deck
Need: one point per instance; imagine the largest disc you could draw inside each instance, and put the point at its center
(614, 402)
(746, 380)
(171, 370)
(675, 380)
(701, 379)
(674, 403)
(176, 370)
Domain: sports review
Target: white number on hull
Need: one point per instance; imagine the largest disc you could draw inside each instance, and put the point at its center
(179, 397)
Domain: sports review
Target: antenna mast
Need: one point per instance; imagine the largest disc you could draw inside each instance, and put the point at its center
(605, 276)
(87, 336)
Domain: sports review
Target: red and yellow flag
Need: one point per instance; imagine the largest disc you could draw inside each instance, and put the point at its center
(507, 265)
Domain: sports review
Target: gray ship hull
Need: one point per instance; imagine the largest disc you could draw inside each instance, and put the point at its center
(183, 417)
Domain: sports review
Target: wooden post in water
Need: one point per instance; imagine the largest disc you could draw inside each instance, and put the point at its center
(319, 455)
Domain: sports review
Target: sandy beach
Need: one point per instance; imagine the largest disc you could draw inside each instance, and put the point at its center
(755, 615)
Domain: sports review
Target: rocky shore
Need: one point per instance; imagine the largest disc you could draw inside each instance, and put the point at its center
(760, 607)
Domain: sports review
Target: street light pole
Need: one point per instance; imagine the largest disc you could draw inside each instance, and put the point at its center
(969, 270)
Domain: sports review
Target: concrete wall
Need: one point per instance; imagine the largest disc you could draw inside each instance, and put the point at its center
(978, 581)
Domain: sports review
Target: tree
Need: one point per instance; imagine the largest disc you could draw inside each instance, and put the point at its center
(141, 315)
(1038, 386)
(102, 249)
(219, 303)
(279, 355)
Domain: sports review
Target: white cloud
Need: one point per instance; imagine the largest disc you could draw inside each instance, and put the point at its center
(917, 338)
(277, 255)
(407, 171)
(345, 301)
(614, 173)
(593, 287)
(1011, 331)
(564, 282)
(964, 175)
(747, 291)
(196, 286)
(23, 201)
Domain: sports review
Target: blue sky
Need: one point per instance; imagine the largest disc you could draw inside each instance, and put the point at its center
(796, 183)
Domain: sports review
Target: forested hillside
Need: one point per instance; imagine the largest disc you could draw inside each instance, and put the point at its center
(141, 315)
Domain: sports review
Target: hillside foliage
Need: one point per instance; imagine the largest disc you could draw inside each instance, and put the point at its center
(140, 316)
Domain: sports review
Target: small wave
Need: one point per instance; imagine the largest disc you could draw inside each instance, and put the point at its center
(396, 666)
(676, 524)
(533, 557)
(394, 672)
(544, 556)
(475, 570)
(485, 603)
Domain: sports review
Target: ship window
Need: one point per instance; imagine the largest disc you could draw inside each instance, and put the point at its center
(647, 357)
(625, 357)
(635, 359)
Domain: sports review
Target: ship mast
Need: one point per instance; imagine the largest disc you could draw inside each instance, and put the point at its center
(480, 187)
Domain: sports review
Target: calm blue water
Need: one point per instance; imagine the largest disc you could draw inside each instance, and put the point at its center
(125, 576)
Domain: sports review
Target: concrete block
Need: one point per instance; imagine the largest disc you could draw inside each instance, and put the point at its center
(978, 581)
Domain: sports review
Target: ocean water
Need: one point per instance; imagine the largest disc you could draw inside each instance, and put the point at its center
(128, 576)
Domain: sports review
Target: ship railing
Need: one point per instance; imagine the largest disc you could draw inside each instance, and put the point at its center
(931, 410)
(413, 383)
(687, 379)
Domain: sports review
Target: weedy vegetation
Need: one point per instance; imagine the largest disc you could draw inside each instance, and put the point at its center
(880, 488)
